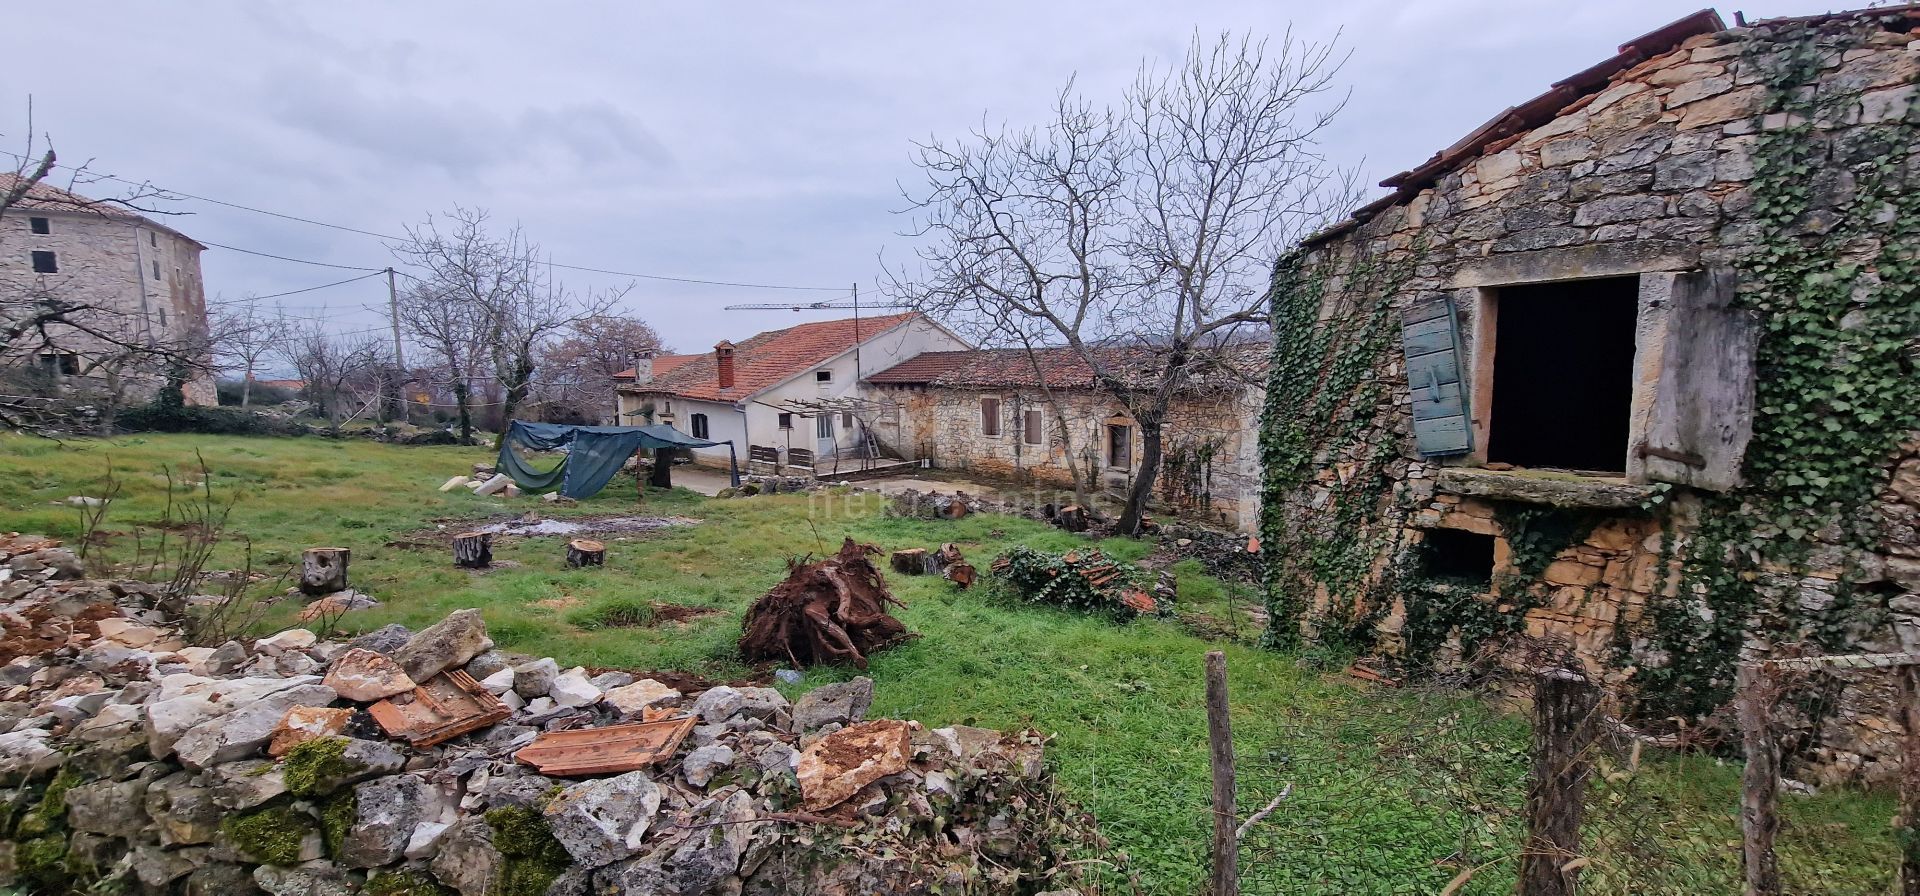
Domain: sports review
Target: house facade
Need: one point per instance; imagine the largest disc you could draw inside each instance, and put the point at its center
(1038, 418)
(139, 279)
(798, 388)
(1624, 379)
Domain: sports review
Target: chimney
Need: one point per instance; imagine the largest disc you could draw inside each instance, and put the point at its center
(643, 368)
(723, 363)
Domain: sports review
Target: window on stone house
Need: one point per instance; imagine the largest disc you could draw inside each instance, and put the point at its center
(1032, 427)
(1458, 556)
(699, 424)
(153, 239)
(156, 270)
(1561, 392)
(786, 421)
(40, 225)
(846, 420)
(1119, 446)
(44, 262)
(163, 318)
(989, 416)
(60, 363)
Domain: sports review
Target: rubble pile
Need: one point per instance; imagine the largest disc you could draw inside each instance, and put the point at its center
(430, 762)
(914, 504)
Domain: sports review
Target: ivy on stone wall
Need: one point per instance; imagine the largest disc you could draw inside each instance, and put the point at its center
(1835, 281)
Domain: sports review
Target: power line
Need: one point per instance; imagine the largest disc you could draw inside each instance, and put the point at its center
(295, 292)
(397, 239)
(344, 267)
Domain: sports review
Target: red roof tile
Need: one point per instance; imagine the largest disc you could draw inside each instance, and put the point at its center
(769, 358)
(1061, 367)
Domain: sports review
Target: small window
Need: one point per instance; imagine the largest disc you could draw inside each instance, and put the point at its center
(156, 270)
(699, 422)
(846, 421)
(823, 426)
(1032, 427)
(163, 317)
(40, 225)
(153, 239)
(1120, 446)
(823, 376)
(786, 421)
(989, 416)
(1459, 557)
(61, 363)
(44, 263)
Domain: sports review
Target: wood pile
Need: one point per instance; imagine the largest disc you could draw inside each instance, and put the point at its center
(829, 611)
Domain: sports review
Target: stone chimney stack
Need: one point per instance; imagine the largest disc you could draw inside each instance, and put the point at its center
(723, 363)
(643, 368)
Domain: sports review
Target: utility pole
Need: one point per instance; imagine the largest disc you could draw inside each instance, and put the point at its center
(393, 315)
(856, 334)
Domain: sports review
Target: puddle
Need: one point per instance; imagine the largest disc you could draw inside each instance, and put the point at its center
(583, 526)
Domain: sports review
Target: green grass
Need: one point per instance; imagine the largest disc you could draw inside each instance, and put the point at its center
(1394, 791)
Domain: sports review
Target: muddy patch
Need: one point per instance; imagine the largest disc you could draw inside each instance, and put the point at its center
(635, 615)
(609, 525)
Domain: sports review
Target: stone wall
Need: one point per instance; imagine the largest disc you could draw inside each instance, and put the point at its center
(943, 423)
(1648, 176)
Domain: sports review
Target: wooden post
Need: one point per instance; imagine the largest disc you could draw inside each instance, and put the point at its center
(473, 550)
(1564, 725)
(662, 468)
(1906, 825)
(586, 552)
(1760, 782)
(1226, 843)
(323, 570)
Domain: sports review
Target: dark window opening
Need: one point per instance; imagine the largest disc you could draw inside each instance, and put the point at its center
(1120, 446)
(823, 376)
(153, 239)
(989, 416)
(163, 317)
(156, 270)
(40, 225)
(1562, 387)
(1032, 427)
(1458, 556)
(846, 421)
(61, 363)
(699, 422)
(44, 263)
(786, 421)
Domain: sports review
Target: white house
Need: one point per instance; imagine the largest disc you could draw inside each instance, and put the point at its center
(803, 387)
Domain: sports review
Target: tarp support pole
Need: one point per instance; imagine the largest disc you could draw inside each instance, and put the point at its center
(733, 464)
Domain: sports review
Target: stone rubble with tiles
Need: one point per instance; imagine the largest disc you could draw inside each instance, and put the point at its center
(129, 757)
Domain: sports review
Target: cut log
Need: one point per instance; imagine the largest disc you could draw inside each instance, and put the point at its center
(323, 570)
(910, 561)
(586, 552)
(830, 611)
(473, 550)
(961, 574)
(1072, 518)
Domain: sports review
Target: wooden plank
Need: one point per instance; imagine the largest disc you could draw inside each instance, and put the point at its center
(1435, 369)
(1226, 843)
(1427, 337)
(1443, 435)
(1437, 309)
(1449, 404)
(1703, 400)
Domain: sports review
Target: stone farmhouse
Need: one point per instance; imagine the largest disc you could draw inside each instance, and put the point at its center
(1040, 419)
(141, 279)
(1645, 379)
(794, 390)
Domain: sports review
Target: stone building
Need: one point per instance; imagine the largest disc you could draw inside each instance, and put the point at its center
(1040, 419)
(139, 279)
(1636, 387)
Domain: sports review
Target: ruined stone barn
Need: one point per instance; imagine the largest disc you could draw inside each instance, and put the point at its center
(1040, 418)
(1626, 376)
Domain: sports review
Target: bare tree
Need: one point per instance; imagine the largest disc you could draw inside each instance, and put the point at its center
(243, 336)
(342, 374)
(1139, 237)
(524, 324)
(579, 366)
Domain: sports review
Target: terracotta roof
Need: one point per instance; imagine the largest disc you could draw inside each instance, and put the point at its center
(1059, 367)
(662, 365)
(44, 196)
(769, 358)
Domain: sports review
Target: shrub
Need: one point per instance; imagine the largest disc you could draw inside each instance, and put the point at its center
(1080, 579)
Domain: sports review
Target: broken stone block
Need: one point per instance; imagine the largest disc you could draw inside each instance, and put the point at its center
(245, 784)
(326, 764)
(767, 705)
(304, 723)
(25, 754)
(316, 878)
(112, 808)
(219, 879)
(607, 681)
(454, 483)
(604, 821)
(291, 639)
(838, 765)
(244, 731)
(386, 813)
(185, 702)
(182, 810)
(642, 695)
(447, 644)
(702, 764)
(385, 640)
(498, 483)
(424, 842)
(719, 704)
(573, 689)
(703, 864)
(531, 680)
(843, 703)
(498, 683)
(158, 867)
(363, 676)
(226, 658)
(127, 632)
(486, 664)
(468, 861)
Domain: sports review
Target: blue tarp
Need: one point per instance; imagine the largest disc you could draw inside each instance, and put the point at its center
(594, 453)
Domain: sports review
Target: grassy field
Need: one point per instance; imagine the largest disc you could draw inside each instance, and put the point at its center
(1393, 791)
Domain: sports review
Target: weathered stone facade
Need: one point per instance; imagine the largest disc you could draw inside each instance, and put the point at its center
(141, 278)
(1638, 177)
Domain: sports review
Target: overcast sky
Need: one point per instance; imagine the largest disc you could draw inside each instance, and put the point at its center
(743, 142)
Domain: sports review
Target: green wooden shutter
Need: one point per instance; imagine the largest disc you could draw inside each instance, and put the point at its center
(1431, 336)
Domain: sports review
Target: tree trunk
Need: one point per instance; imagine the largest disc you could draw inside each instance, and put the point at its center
(323, 570)
(246, 389)
(1760, 781)
(1226, 843)
(1564, 726)
(586, 552)
(662, 468)
(1142, 490)
(1906, 825)
(473, 550)
(461, 401)
(521, 380)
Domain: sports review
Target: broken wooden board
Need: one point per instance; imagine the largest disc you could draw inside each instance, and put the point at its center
(608, 750)
(446, 706)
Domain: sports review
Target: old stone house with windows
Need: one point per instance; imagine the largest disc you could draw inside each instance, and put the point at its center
(1039, 418)
(140, 280)
(1626, 378)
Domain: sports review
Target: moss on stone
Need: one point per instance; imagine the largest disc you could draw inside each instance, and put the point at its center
(49, 816)
(336, 819)
(271, 834)
(43, 862)
(406, 883)
(316, 766)
(534, 859)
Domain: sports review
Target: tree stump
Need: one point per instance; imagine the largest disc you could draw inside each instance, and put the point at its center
(585, 552)
(473, 550)
(961, 574)
(323, 570)
(910, 561)
(1565, 721)
(1072, 518)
